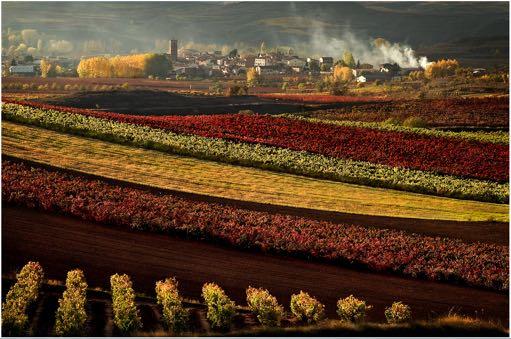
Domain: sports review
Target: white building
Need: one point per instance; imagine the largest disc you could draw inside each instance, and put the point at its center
(262, 62)
(296, 63)
(22, 70)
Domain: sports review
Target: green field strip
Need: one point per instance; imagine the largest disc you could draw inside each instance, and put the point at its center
(192, 175)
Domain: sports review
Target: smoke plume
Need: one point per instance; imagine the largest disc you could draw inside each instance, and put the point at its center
(372, 51)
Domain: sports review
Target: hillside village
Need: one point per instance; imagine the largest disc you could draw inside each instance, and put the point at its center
(194, 64)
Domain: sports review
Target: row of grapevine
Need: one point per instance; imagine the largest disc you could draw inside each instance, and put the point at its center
(71, 316)
(494, 137)
(126, 315)
(383, 250)
(20, 296)
(257, 155)
(450, 156)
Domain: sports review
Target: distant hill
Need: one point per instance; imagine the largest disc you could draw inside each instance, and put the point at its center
(137, 25)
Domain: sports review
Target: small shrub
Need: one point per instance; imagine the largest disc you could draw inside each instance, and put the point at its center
(237, 90)
(392, 121)
(352, 309)
(125, 86)
(415, 122)
(307, 308)
(246, 112)
(68, 87)
(71, 315)
(264, 306)
(216, 88)
(19, 297)
(26, 86)
(126, 316)
(175, 315)
(221, 309)
(398, 313)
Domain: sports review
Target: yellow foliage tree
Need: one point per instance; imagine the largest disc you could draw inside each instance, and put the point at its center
(441, 68)
(342, 73)
(47, 69)
(416, 75)
(96, 67)
(252, 77)
(127, 66)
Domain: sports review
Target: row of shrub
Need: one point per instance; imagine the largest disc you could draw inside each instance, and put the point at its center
(383, 250)
(20, 296)
(261, 156)
(54, 86)
(395, 125)
(71, 315)
(306, 308)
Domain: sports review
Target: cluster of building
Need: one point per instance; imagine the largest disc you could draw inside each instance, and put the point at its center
(193, 63)
(190, 64)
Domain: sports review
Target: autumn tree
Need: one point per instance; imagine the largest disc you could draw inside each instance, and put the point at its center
(348, 59)
(96, 67)
(252, 77)
(126, 66)
(156, 65)
(380, 42)
(342, 73)
(48, 69)
(441, 68)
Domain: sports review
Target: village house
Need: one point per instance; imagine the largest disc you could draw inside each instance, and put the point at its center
(296, 62)
(373, 76)
(262, 61)
(327, 61)
(22, 70)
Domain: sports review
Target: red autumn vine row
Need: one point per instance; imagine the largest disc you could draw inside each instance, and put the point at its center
(470, 159)
(384, 250)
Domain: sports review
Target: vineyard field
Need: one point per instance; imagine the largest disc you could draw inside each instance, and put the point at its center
(256, 155)
(210, 178)
(485, 161)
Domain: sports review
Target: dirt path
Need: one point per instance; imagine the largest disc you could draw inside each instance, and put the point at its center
(62, 243)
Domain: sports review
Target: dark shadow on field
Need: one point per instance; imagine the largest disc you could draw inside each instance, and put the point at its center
(150, 102)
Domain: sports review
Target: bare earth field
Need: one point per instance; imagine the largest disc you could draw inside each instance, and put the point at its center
(101, 251)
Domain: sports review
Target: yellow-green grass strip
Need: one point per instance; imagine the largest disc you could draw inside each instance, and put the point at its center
(167, 171)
